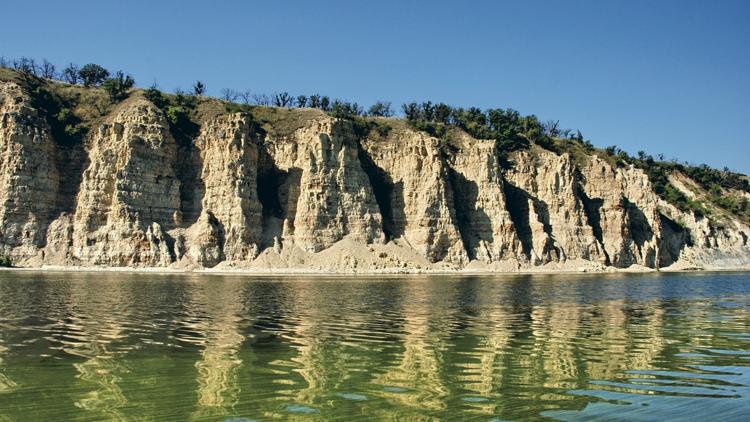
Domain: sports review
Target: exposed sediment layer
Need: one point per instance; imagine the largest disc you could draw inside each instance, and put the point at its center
(326, 196)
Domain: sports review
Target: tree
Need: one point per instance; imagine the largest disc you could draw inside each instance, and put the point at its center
(48, 70)
(380, 109)
(228, 94)
(199, 88)
(261, 99)
(246, 96)
(411, 111)
(314, 101)
(70, 74)
(154, 95)
(301, 101)
(442, 113)
(551, 128)
(93, 74)
(118, 86)
(25, 65)
(428, 111)
(325, 103)
(282, 99)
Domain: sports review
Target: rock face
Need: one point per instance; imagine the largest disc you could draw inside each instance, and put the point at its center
(325, 195)
(548, 210)
(416, 195)
(129, 194)
(28, 176)
(229, 224)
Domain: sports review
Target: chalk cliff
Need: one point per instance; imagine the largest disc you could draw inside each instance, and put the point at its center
(326, 195)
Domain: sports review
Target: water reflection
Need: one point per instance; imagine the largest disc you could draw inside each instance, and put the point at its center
(219, 333)
(134, 347)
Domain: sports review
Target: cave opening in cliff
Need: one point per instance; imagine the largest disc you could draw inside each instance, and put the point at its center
(270, 179)
(278, 192)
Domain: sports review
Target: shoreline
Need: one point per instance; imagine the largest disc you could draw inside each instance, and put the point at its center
(287, 272)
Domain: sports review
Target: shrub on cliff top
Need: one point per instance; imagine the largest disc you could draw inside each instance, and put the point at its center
(93, 74)
(118, 86)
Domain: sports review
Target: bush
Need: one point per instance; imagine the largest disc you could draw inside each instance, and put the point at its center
(93, 74)
(5, 261)
(155, 96)
(118, 86)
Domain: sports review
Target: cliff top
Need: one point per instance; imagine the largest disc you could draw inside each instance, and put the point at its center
(73, 110)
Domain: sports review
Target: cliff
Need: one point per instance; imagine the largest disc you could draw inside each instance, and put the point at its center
(268, 189)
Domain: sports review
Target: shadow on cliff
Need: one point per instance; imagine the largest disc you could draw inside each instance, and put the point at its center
(189, 168)
(674, 238)
(517, 201)
(71, 161)
(278, 192)
(388, 195)
(592, 210)
(474, 225)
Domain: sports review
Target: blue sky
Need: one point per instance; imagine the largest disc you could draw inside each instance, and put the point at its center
(665, 76)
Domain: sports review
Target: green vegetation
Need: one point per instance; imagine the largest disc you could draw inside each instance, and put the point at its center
(178, 109)
(717, 184)
(93, 74)
(5, 261)
(118, 86)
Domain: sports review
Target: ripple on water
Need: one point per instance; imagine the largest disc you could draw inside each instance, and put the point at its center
(300, 408)
(352, 396)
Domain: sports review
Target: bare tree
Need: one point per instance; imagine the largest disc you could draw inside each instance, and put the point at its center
(551, 128)
(48, 70)
(246, 96)
(25, 65)
(228, 94)
(70, 74)
(261, 99)
(301, 101)
(282, 99)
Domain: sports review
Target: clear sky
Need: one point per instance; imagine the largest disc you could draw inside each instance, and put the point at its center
(664, 76)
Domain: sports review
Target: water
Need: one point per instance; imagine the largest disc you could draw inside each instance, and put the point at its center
(232, 348)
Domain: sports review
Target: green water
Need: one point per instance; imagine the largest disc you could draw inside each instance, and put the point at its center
(234, 348)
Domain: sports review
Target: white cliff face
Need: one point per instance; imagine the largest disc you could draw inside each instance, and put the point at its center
(481, 205)
(550, 215)
(129, 194)
(325, 194)
(419, 200)
(229, 224)
(627, 211)
(28, 176)
(326, 197)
